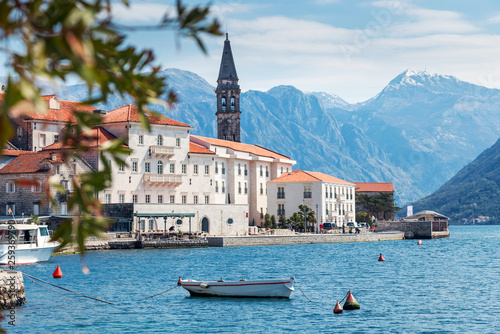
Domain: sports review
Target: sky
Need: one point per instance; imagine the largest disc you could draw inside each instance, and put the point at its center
(349, 48)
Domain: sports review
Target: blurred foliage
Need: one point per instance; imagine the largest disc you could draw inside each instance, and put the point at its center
(62, 39)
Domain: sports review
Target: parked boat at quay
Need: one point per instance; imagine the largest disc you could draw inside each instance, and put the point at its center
(25, 244)
(275, 288)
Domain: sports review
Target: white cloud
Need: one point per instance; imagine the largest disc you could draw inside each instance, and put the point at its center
(140, 12)
(495, 19)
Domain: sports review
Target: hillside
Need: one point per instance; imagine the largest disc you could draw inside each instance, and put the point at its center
(473, 192)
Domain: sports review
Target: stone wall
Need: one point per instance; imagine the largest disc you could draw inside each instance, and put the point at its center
(11, 290)
(412, 229)
(302, 239)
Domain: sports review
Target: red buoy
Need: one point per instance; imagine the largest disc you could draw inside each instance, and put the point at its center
(381, 258)
(179, 281)
(57, 273)
(338, 309)
(419, 242)
(350, 302)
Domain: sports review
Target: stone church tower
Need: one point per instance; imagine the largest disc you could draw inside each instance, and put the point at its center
(228, 97)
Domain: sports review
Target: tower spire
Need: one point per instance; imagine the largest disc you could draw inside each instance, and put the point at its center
(228, 97)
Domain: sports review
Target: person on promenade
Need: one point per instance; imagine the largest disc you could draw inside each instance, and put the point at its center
(343, 228)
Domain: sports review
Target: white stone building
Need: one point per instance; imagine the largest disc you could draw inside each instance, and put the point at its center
(331, 198)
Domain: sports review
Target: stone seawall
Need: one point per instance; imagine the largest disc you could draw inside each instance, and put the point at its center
(302, 239)
(11, 290)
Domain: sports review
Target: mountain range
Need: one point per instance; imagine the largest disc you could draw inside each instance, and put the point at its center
(417, 132)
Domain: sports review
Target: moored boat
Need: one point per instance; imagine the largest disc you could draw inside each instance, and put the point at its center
(25, 244)
(274, 288)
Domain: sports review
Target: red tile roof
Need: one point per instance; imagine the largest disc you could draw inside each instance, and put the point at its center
(28, 163)
(96, 138)
(303, 176)
(254, 149)
(374, 187)
(14, 153)
(129, 113)
(197, 148)
(64, 114)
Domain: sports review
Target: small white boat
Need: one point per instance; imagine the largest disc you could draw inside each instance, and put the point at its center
(25, 244)
(275, 288)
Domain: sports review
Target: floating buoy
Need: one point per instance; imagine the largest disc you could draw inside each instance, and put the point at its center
(350, 302)
(57, 273)
(419, 242)
(179, 281)
(338, 309)
(381, 258)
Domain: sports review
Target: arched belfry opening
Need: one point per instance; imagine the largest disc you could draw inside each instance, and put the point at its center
(228, 111)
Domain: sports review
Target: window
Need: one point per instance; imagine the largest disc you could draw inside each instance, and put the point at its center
(73, 168)
(267, 172)
(223, 187)
(246, 171)
(56, 138)
(261, 189)
(207, 169)
(42, 140)
(183, 199)
(195, 169)
(134, 166)
(147, 167)
(178, 142)
(207, 199)
(246, 189)
(10, 209)
(216, 167)
(178, 221)
(160, 167)
(121, 198)
(261, 170)
(281, 192)
(223, 169)
(134, 198)
(58, 169)
(261, 213)
(195, 199)
(19, 132)
(148, 198)
(239, 169)
(108, 198)
(121, 167)
(216, 186)
(172, 168)
(281, 170)
(160, 198)
(330, 192)
(151, 224)
(159, 140)
(34, 125)
(281, 209)
(230, 221)
(239, 187)
(172, 199)
(36, 210)
(184, 168)
(11, 187)
(307, 192)
(36, 187)
(141, 139)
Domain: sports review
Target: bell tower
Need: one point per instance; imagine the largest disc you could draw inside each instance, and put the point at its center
(228, 97)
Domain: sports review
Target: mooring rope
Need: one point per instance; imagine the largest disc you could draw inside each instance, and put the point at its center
(68, 290)
(161, 293)
(298, 287)
(59, 293)
(347, 294)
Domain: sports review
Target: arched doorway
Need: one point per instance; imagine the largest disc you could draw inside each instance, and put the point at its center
(204, 225)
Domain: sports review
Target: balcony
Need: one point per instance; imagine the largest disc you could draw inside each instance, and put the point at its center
(307, 194)
(163, 179)
(281, 195)
(340, 198)
(161, 151)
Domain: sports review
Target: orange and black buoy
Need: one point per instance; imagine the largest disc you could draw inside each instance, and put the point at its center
(338, 309)
(179, 281)
(57, 273)
(419, 242)
(350, 302)
(381, 258)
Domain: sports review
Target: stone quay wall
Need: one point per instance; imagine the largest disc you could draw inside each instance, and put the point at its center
(268, 240)
(412, 229)
(11, 290)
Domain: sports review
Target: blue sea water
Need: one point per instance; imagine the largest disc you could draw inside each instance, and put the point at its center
(443, 286)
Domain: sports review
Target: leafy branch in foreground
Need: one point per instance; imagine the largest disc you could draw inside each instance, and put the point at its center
(59, 39)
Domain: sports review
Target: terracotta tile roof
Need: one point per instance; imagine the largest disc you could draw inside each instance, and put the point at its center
(64, 114)
(303, 176)
(96, 138)
(28, 163)
(374, 187)
(14, 153)
(197, 148)
(129, 113)
(254, 149)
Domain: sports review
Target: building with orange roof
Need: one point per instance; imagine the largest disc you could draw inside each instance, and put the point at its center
(332, 199)
(375, 189)
(25, 182)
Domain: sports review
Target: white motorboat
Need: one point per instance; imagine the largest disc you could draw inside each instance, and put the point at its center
(25, 244)
(275, 288)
